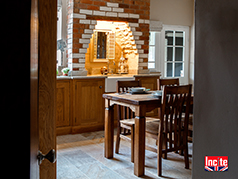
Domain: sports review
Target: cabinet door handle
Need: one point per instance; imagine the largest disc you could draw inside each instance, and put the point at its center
(100, 87)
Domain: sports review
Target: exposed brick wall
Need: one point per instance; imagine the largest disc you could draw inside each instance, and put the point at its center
(83, 16)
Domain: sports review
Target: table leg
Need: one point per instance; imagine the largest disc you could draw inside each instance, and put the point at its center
(139, 139)
(109, 130)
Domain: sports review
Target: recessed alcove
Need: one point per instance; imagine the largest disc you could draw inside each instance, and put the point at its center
(120, 42)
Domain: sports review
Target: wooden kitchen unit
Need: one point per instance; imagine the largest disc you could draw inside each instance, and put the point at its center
(79, 105)
(88, 115)
(63, 106)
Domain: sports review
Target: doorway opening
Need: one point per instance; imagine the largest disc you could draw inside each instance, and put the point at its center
(87, 148)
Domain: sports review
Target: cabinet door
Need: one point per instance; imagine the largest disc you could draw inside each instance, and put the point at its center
(88, 103)
(62, 103)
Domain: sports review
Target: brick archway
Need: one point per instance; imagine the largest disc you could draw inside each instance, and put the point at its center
(83, 20)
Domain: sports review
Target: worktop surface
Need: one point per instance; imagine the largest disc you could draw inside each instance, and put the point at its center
(107, 76)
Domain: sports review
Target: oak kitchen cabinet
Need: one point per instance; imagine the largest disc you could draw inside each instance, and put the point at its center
(88, 105)
(80, 106)
(63, 117)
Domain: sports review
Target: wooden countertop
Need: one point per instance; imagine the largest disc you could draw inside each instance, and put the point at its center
(105, 76)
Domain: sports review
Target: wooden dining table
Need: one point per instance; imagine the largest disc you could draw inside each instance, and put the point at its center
(140, 104)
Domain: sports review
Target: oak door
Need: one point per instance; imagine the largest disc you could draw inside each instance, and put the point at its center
(88, 103)
(42, 72)
(47, 83)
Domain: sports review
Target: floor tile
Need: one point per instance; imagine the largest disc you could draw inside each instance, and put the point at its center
(67, 170)
(99, 171)
(82, 156)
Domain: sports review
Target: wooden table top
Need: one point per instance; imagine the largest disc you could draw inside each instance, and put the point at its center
(134, 99)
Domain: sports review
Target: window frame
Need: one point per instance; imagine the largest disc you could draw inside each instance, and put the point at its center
(59, 34)
(173, 60)
(62, 33)
(157, 56)
(163, 62)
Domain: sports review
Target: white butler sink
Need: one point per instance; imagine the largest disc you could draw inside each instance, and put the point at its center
(111, 82)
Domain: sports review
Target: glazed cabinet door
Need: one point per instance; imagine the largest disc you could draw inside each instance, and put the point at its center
(62, 103)
(88, 105)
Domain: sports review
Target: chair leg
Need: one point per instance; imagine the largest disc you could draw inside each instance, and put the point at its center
(132, 144)
(184, 151)
(118, 129)
(186, 157)
(181, 152)
(118, 140)
(159, 167)
(164, 146)
(159, 161)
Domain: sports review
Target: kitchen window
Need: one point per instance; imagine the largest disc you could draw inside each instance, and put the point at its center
(151, 60)
(169, 52)
(154, 51)
(175, 52)
(61, 32)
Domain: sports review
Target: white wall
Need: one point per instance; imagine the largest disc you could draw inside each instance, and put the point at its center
(176, 12)
(172, 12)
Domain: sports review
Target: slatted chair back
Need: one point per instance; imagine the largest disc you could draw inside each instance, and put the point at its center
(172, 134)
(167, 82)
(122, 87)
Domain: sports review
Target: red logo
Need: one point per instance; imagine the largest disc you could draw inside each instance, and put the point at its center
(216, 163)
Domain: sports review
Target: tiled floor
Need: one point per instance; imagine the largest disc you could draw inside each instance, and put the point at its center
(81, 156)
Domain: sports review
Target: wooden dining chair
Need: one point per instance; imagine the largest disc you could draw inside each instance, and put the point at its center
(171, 131)
(190, 122)
(126, 118)
(167, 82)
(161, 83)
(175, 82)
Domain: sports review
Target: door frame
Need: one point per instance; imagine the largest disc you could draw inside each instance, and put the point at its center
(34, 130)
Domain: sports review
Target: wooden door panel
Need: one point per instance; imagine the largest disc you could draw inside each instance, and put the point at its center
(89, 101)
(47, 83)
(62, 104)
